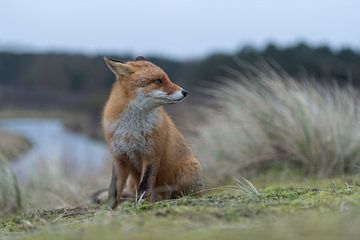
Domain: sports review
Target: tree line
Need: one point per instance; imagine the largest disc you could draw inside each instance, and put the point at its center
(76, 74)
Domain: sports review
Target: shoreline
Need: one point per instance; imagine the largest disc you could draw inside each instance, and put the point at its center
(13, 145)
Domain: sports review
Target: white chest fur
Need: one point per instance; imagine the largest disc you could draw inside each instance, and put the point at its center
(131, 132)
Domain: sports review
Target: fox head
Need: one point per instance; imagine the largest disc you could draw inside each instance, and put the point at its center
(145, 82)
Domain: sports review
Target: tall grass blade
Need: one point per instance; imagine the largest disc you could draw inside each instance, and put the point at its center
(248, 189)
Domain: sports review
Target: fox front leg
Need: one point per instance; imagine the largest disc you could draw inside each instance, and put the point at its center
(147, 182)
(120, 174)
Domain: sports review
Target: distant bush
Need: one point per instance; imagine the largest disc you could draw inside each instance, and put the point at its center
(265, 115)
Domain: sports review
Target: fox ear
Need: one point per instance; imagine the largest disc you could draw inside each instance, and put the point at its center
(118, 68)
(140, 58)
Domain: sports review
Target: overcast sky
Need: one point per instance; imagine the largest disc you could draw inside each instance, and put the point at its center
(178, 28)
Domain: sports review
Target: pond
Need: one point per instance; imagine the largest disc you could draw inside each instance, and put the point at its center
(54, 145)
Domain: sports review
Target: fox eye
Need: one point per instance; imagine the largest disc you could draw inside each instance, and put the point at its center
(158, 81)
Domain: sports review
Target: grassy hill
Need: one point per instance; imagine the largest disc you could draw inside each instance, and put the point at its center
(310, 209)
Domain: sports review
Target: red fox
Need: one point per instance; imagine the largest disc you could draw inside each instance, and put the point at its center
(151, 158)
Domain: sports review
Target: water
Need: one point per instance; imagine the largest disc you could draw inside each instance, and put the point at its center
(54, 145)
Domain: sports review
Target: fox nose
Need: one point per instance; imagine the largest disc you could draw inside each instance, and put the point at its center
(184, 92)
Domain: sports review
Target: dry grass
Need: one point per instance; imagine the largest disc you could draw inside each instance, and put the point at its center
(248, 189)
(11, 146)
(58, 184)
(49, 186)
(10, 195)
(265, 115)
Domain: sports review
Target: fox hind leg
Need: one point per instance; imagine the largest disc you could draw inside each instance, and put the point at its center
(112, 192)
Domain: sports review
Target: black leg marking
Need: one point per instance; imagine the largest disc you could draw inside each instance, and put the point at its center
(112, 192)
(144, 184)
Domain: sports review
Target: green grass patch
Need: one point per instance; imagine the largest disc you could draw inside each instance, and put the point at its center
(225, 212)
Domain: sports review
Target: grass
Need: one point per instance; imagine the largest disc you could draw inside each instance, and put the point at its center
(319, 209)
(264, 115)
(11, 147)
(56, 185)
(248, 189)
(10, 194)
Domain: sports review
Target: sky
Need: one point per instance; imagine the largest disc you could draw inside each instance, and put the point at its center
(175, 28)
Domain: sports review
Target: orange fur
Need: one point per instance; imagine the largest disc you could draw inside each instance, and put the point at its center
(150, 156)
